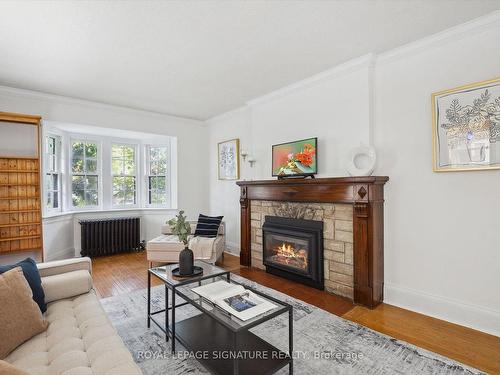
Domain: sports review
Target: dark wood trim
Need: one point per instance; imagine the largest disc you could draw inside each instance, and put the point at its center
(366, 194)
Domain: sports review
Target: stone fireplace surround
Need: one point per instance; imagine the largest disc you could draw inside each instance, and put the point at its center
(337, 234)
(352, 210)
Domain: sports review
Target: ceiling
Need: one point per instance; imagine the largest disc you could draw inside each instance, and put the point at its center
(198, 59)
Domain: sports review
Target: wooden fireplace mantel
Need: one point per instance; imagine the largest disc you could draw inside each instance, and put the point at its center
(366, 194)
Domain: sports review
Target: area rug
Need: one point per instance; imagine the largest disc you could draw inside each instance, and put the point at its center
(323, 343)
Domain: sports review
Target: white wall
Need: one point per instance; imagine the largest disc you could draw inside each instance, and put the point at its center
(192, 148)
(441, 245)
(315, 108)
(441, 236)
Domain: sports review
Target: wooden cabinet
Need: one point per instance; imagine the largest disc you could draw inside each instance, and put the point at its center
(20, 191)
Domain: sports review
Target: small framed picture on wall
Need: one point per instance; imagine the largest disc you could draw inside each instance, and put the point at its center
(229, 159)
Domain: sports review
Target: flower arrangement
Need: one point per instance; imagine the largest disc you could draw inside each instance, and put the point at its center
(299, 162)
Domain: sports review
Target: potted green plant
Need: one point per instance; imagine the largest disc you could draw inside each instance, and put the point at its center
(182, 229)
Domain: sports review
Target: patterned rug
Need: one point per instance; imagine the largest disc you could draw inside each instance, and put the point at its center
(323, 343)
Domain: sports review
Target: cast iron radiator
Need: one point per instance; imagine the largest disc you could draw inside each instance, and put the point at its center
(110, 236)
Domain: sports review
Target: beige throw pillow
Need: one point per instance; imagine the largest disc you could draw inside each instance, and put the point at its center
(20, 316)
(7, 369)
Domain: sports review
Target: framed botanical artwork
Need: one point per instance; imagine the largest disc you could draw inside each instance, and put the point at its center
(229, 159)
(466, 127)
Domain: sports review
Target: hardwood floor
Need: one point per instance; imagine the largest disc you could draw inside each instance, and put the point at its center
(124, 273)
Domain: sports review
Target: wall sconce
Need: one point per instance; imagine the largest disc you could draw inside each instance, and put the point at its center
(251, 160)
(244, 154)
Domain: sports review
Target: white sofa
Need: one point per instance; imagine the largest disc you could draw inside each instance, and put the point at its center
(80, 339)
(166, 247)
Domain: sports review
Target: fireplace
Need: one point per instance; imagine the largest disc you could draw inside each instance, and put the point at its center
(293, 248)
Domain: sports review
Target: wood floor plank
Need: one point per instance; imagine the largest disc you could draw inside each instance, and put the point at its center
(124, 273)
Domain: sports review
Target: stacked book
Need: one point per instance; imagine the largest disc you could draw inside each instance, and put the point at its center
(234, 299)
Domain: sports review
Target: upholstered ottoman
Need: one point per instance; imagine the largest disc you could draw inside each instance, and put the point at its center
(164, 249)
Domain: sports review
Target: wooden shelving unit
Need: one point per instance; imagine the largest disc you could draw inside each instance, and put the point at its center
(20, 194)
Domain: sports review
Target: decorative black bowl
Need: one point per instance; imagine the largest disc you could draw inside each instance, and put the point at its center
(196, 272)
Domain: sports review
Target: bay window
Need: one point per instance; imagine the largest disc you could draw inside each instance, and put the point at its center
(86, 171)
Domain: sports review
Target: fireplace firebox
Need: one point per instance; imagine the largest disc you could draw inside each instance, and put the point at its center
(293, 248)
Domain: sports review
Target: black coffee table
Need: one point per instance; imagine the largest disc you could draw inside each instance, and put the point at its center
(222, 342)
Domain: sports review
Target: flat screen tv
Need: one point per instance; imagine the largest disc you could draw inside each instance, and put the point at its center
(298, 158)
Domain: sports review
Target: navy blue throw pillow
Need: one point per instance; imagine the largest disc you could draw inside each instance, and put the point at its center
(208, 226)
(32, 275)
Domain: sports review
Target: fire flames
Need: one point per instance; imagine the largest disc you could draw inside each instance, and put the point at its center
(286, 254)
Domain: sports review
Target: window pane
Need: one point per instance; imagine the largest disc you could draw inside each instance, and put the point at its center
(92, 183)
(117, 166)
(129, 152)
(78, 183)
(78, 198)
(117, 183)
(154, 153)
(77, 165)
(129, 166)
(158, 197)
(49, 199)
(129, 197)
(56, 200)
(153, 168)
(77, 149)
(91, 198)
(91, 150)
(91, 165)
(51, 145)
(157, 182)
(118, 198)
(116, 151)
(54, 182)
(129, 183)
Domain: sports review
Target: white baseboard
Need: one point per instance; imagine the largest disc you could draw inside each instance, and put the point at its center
(232, 248)
(475, 317)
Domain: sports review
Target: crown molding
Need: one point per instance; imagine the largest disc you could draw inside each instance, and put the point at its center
(8, 91)
(449, 35)
(338, 70)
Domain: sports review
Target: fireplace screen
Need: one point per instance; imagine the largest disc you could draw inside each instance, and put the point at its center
(287, 251)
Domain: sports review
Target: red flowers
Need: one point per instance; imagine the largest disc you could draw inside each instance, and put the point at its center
(306, 156)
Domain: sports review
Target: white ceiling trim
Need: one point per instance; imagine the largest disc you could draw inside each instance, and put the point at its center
(451, 34)
(339, 70)
(8, 91)
(370, 60)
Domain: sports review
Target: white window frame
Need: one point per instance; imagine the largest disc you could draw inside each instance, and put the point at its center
(136, 147)
(57, 171)
(85, 139)
(147, 162)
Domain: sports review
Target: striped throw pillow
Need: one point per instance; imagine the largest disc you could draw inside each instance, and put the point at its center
(208, 226)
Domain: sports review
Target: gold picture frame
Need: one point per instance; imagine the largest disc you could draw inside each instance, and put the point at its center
(228, 159)
(466, 127)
